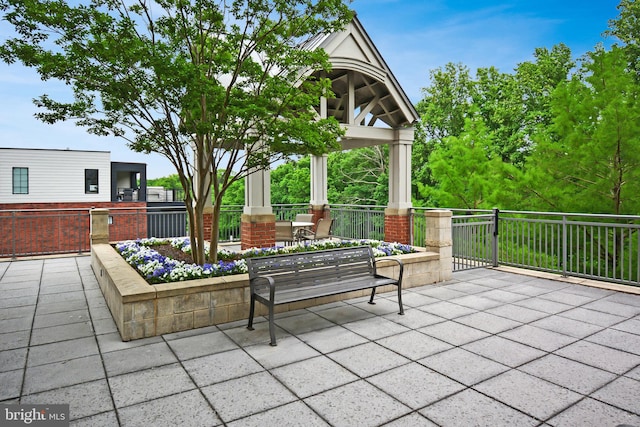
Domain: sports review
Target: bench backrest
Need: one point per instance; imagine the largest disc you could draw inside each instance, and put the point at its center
(314, 266)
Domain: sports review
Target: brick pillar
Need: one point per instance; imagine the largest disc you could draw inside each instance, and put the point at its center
(258, 231)
(397, 225)
(319, 211)
(439, 238)
(99, 226)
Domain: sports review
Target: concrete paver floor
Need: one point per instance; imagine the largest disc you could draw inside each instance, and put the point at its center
(488, 348)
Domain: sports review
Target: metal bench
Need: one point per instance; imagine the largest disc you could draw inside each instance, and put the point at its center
(282, 279)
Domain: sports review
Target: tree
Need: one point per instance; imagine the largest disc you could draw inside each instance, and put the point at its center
(359, 176)
(212, 85)
(589, 161)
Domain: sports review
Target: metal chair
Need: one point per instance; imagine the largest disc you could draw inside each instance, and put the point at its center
(304, 218)
(284, 232)
(323, 230)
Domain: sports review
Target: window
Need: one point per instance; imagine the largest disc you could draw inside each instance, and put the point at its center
(91, 181)
(20, 180)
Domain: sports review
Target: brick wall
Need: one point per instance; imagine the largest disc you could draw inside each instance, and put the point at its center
(50, 228)
(397, 228)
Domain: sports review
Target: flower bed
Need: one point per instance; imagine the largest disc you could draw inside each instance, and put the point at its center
(156, 268)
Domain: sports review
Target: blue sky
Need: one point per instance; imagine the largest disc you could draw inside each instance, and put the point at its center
(413, 36)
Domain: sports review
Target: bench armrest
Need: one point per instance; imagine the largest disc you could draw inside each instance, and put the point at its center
(400, 264)
(255, 282)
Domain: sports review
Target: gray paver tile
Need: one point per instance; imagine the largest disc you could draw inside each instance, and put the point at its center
(105, 419)
(504, 351)
(415, 318)
(624, 298)
(590, 412)
(84, 400)
(185, 409)
(242, 396)
(138, 358)
(488, 322)
(15, 325)
(376, 328)
(525, 289)
(632, 326)
(414, 345)
(381, 306)
(634, 373)
(588, 291)
(599, 356)
(448, 310)
(470, 288)
(477, 302)
(291, 414)
(415, 299)
(612, 307)
(368, 359)
(63, 318)
(113, 342)
(141, 386)
(11, 384)
(313, 376)
(332, 339)
(538, 398)
(547, 306)
(304, 322)
(538, 338)
(62, 306)
(463, 366)
(517, 313)
(573, 375)
(444, 293)
(357, 404)
(60, 351)
(617, 339)
(221, 367)
(415, 385)
(503, 295)
(63, 374)
(201, 345)
(17, 301)
(344, 314)
(14, 340)
(623, 393)
(104, 326)
(260, 334)
(17, 312)
(566, 326)
(453, 333)
(591, 316)
(61, 333)
(289, 349)
(13, 359)
(470, 408)
(567, 298)
(412, 420)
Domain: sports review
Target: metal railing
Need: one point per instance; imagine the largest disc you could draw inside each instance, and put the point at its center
(601, 247)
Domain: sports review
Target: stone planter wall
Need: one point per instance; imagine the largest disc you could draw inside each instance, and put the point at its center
(141, 310)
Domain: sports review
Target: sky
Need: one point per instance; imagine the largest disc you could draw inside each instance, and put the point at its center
(413, 36)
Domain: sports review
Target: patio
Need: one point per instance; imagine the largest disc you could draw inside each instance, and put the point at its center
(490, 347)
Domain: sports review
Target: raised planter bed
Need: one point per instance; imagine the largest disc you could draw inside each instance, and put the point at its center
(142, 310)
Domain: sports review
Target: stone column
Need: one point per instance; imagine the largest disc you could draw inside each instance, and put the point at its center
(397, 215)
(99, 232)
(258, 228)
(439, 238)
(319, 203)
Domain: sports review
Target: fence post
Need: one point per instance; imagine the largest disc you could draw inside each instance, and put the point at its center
(439, 239)
(496, 219)
(564, 246)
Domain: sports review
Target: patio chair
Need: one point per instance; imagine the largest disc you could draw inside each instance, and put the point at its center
(304, 218)
(323, 230)
(284, 232)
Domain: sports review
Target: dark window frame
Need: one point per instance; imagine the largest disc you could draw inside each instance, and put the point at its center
(20, 180)
(91, 181)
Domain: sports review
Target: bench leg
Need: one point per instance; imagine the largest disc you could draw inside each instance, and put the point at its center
(373, 293)
(400, 300)
(272, 326)
(252, 307)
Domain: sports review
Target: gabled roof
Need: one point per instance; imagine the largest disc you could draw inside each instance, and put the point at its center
(356, 61)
